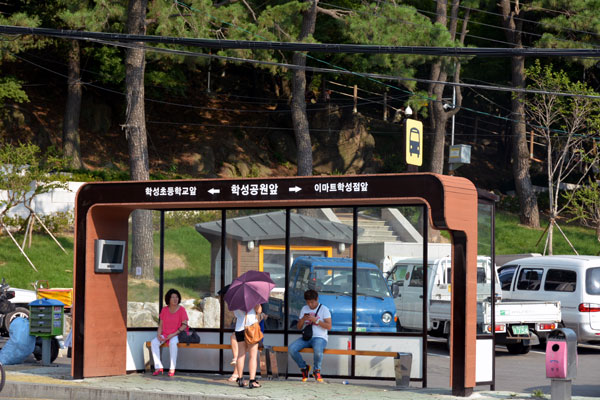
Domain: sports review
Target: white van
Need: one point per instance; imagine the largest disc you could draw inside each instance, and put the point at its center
(573, 280)
(519, 324)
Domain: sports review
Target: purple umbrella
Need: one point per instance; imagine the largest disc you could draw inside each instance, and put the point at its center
(248, 290)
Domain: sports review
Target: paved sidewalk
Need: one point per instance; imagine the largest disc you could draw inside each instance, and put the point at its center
(32, 380)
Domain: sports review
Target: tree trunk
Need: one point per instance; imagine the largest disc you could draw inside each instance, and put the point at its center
(135, 131)
(298, 106)
(71, 147)
(550, 237)
(439, 116)
(551, 195)
(529, 214)
(440, 120)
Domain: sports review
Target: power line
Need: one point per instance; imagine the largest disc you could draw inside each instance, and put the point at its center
(292, 66)
(347, 72)
(310, 47)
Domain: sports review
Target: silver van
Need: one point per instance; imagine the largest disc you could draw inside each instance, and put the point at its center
(573, 280)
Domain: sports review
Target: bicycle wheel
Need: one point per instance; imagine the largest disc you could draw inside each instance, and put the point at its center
(2, 377)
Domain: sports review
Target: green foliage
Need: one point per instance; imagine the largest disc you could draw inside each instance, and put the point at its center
(101, 175)
(11, 89)
(107, 63)
(393, 25)
(538, 394)
(26, 173)
(58, 222)
(566, 125)
(585, 205)
(184, 219)
(569, 24)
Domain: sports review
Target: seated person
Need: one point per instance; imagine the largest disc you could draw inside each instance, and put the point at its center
(173, 320)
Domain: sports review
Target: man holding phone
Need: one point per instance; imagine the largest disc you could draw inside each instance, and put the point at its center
(317, 318)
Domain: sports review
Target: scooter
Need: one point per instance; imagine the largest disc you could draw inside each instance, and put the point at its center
(10, 307)
(13, 304)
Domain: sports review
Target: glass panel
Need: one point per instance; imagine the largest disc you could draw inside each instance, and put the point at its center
(255, 241)
(187, 268)
(390, 253)
(320, 259)
(190, 239)
(142, 294)
(485, 273)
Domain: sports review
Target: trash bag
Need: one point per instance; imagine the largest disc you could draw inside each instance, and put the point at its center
(20, 344)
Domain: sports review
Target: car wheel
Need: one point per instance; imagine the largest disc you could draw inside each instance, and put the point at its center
(20, 312)
(271, 324)
(37, 351)
(517, 348)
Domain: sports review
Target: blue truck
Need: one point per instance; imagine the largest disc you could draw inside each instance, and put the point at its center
(332, 279)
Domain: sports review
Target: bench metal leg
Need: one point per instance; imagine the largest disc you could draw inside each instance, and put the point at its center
(148, 360)
(272, 360)
(263, 362)
(281, 362)
(402, 366)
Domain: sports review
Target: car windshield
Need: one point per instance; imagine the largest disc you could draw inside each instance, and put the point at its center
(369, 282)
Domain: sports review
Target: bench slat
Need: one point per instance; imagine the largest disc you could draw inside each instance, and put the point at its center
(284, 349)
(198, 345)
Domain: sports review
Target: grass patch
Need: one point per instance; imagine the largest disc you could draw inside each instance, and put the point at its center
(513, 238)
(51, 262)
(194, 279)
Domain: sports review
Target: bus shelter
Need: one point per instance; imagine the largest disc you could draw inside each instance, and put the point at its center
(265, 224)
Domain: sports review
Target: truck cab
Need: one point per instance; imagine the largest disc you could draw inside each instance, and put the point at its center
(332, 279)
(407, 277)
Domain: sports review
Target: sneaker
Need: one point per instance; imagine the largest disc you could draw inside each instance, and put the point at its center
(317, 375)
(305, 373)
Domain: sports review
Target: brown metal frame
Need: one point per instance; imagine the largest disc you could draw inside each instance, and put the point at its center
(102, 211)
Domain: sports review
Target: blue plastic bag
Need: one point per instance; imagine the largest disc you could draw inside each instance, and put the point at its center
(20, 344)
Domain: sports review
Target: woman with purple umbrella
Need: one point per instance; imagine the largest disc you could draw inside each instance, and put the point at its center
(246, 319)
(245, 296)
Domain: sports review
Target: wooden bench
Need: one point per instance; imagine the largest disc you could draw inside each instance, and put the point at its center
(149, 362)
(402, 361)
(270, 366)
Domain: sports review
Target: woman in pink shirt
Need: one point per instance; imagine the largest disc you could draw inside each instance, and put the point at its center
(173, 320)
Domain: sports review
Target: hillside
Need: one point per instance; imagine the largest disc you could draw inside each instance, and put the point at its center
(241, 128)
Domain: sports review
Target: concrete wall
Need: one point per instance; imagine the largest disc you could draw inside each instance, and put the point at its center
(58, 200)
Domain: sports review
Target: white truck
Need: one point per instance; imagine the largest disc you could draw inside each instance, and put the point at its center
(518, 324)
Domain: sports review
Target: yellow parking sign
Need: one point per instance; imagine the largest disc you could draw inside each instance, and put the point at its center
(414, 142)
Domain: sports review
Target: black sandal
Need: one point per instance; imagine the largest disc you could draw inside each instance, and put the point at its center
(240, 382)
(253, 384)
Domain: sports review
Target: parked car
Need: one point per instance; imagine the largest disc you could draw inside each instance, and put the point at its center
(518, 325)
(572, 280)
(332, 279)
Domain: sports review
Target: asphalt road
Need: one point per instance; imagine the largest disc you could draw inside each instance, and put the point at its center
(523, 373)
